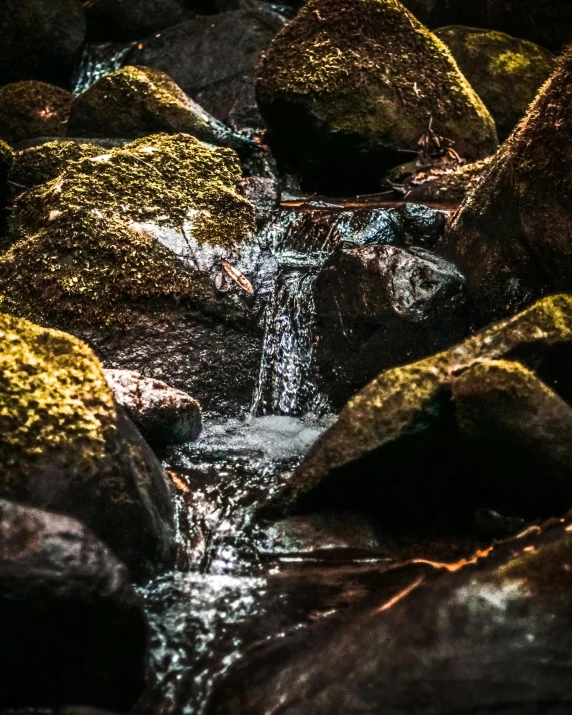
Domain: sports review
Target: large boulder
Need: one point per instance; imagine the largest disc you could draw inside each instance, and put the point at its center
(66, 448)
(33, 109)
(212, 58)
(132, 19)
(41, 39)
(346, 88)
(511, 236)
(547, 22)
(164, 415)
(504, 71)
(400, 445)
(73, 629)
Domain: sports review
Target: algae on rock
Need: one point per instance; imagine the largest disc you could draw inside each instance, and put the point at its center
(511, 237)
(33, 109)
(504, 71)
(347, 87)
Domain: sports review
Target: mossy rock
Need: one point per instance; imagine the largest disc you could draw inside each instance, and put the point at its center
(33, 109)
(41, 39)
(85, 249)
(137, 101)
(6, 158)
(347, 87)
(511, 237)
(40, 164)
(402, 432)
(547, 22)
(504, 71)
(64, 447)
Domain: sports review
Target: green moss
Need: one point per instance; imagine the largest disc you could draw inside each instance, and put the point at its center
(135, 102)
(368, 68)
(82, 252)
(40, 164)
(33, 109)
(504, 71)
(56, 408)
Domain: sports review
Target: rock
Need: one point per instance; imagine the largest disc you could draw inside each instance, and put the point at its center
(66, 448)
(396, 446)
(264, 194)
(341, 116)
(137, 101)
(132, 19)
(163, 414)
(90, 243)
(33, 109)
(6, 158)
(212, 58)
(41, 40)
(505, 72)
(379, 306)
(436, 183)
(45, 162)
(492, 636)
(547, 22)
(510, 238)
(73, 629)
(436, 13)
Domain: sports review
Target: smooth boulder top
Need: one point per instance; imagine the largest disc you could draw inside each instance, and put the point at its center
(511, 236)
(347, 87)
(504, 71)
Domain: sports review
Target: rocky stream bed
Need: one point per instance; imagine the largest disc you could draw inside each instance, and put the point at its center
(285, 357)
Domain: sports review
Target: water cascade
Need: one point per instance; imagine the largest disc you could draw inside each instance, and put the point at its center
(99, 59)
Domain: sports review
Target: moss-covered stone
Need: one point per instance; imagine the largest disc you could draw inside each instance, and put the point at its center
(82, 251)
(33, 109)
(547, 22)
(62, 447)
(347, 86)
(40, 164)
(511, 237)
(410, 401)
(136, 101)
(6, 158)
(504, 71)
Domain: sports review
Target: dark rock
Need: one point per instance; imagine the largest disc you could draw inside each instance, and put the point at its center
(264, 194)
(73, 629)
(339, 90)
(505, 72)
(163, 414)
(396, 448)
(511, 236)
(6, 159)
(41, 39)
(212, 58)
(436, 13)
(547, 22)
(491, 637)
(132, 19)
(381, 306)
(33, 109)
(66, 448)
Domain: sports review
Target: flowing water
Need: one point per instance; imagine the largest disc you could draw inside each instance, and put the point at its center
(237, 586)
(99, 59)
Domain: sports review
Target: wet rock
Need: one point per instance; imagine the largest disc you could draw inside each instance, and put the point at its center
(547, 22)
(436, 183)
(341, 128)
(381, 306)
(33, 109)
(505, 72)
(396, 447)
(163, 414)
(41, 39)
(94, 237)
(73, 629)
(436, 13)
(132, 19)
(510, 238)
(492, 636)
(212, 58)
(264, 194)
(66, 448)
(137, 101)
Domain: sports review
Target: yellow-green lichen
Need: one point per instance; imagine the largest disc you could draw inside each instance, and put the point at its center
(56, 409)
(32, 109)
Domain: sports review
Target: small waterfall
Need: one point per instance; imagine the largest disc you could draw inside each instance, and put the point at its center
(99, 59)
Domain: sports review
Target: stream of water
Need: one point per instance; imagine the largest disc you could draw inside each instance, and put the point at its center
(99, 59)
